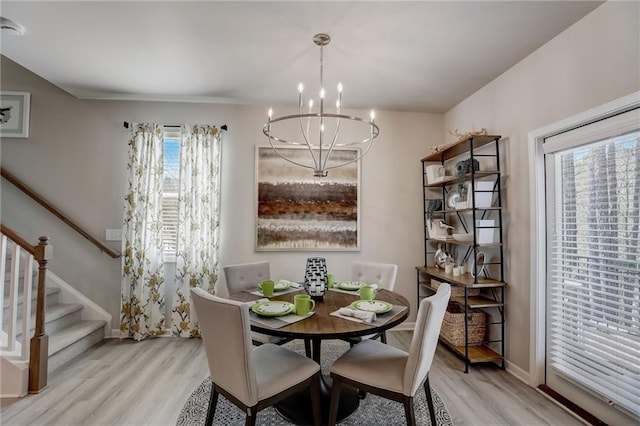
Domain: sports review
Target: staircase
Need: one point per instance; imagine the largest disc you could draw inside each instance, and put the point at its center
(69, 335)
(72, 322)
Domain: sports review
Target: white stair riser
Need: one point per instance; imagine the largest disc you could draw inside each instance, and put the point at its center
(67, 354)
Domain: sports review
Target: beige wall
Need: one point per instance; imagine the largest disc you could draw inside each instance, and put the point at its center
(595, 61)
(76, 156)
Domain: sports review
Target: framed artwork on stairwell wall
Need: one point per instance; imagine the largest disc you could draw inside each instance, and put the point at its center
(14, 118)
(296, 211)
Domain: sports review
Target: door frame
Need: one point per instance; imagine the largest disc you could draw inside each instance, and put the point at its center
(537, 307)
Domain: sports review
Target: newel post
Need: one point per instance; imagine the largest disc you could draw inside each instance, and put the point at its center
(39, 352)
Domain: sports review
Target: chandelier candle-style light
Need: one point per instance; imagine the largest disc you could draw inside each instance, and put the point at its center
(322, 143)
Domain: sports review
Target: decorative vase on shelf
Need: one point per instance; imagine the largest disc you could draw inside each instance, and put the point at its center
(315, 277)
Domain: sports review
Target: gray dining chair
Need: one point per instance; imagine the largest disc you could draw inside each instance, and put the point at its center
(381, 274)
(251, 377)
(247, 276)
(392, 373)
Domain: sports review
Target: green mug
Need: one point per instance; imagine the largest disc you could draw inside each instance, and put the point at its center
(303, 304)
(367, 292)
(267, 287)
(331, 280)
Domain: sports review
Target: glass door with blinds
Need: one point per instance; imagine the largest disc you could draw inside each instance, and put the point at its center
(593, 267)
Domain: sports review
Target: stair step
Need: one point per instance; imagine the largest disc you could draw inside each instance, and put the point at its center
(51, 299)
(56, 317)
(70, 342)
(7, 278)
(49, 291)
(23, 260)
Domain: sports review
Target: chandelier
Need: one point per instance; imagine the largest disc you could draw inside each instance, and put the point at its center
(325, 125)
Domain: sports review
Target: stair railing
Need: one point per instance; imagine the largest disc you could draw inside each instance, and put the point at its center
(35, 350)
(10, 177)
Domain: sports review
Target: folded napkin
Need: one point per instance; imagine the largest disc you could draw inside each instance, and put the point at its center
(291, 283)
(355, 313)
(253, 302)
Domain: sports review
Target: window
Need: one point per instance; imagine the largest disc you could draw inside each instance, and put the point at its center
(593, 264)
(171, 180)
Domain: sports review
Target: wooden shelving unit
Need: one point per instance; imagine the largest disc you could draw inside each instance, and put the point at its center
(473, 293)
(475, 354)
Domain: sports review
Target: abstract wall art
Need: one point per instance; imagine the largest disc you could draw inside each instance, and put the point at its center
(296, 211)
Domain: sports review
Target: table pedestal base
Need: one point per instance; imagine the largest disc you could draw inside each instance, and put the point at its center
(297, 408)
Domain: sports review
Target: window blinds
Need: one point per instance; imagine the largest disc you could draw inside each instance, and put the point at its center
(593, 276)
(171, 180)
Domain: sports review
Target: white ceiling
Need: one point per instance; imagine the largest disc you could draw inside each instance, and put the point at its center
(406, 56)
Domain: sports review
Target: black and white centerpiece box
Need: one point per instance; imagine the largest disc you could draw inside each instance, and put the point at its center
(315, 277)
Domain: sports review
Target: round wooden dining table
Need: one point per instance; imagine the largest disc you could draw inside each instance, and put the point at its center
(323, 326)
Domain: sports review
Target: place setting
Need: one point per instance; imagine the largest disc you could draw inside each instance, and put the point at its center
(270, 288)
(367, 308)
(278, 313)
(348, 287)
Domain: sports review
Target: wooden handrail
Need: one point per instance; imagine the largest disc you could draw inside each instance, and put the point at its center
(60, 215)
(13, 236)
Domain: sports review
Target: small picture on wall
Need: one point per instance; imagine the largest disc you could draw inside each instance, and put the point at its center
(14, 118)
(297, 211)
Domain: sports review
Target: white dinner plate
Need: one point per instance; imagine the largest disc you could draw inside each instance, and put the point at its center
(273, 308)
(350, 285)
(375, 306)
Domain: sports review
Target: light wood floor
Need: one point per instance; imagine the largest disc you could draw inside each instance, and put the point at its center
(147, 383)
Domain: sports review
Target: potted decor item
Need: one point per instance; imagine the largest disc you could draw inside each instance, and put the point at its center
(463, 168)
(315, 277)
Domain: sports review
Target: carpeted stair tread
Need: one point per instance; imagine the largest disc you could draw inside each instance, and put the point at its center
(52, 314)
(59, 340)
(49, 291)
(59, 310)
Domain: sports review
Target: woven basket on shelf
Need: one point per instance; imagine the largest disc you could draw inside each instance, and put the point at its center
(453, 325)
(456, 290)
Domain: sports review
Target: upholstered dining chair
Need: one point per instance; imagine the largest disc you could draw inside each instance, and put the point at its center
(251, 377)
(247, 276)
(374, 367)
(381, 274)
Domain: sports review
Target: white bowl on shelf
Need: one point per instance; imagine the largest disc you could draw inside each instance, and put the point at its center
(463, 238)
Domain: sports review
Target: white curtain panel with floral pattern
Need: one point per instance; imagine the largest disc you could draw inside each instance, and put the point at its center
(142, 292)
(198, 222)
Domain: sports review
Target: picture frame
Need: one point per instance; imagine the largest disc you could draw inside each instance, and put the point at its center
(296, 211)
(15, 108)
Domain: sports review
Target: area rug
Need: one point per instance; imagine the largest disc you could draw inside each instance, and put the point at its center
(372, 410)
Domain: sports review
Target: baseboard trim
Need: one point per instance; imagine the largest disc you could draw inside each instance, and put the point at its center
(115, 334)
(517, 372)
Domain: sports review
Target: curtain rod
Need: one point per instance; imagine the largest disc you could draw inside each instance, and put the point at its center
(223, 127)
